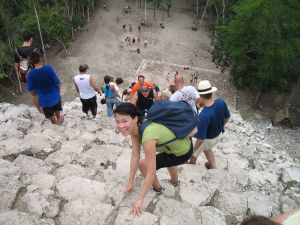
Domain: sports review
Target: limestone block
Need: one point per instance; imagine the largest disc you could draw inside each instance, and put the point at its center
(30, 165)
(231, 203)
(13, 217)
(9, 111)
(43, 180)
(71, 133)
(146, 218)
(41, 202)
(9, 169)
(88, 136)
(9, 187)
(102, 157)
(122, 166)
(259, 204)
(196, 195)
(291, 174)
(13, 147)
(84, 211)
(210, 215)
(172, 212)
(61, 158)
(263, 180)
(9, 183)
(71, 188)
(110, 136)
(75, 170)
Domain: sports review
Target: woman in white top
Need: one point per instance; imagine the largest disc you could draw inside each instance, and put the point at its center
(87, 89)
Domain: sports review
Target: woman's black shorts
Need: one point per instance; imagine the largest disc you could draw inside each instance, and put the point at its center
(167, 160)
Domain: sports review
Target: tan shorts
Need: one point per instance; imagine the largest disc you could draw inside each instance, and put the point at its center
(207, 144)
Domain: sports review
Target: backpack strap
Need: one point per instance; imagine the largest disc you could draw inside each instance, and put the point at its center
(17, 53)
(143, 126)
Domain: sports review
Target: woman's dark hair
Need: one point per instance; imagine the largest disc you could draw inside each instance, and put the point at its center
(119, 80)
(258, 220)
(106, 79)
(128, 109)
(35, 57)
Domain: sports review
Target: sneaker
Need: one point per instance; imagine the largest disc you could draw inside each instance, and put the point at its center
(85, 115)
(95, 119)
(159, 191)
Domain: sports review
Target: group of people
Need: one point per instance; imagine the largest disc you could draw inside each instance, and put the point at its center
(129, 107)
(210, 125)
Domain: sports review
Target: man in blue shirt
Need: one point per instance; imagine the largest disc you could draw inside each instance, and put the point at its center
(210, 124)
(44, 86)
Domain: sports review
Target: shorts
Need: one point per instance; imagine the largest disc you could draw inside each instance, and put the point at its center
(167, 160)
(49, 111)
(208, 144)
(89, 104)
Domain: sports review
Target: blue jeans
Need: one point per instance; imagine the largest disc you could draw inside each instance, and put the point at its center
(110, 102)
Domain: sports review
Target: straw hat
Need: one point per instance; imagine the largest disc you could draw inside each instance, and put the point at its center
(204, 87)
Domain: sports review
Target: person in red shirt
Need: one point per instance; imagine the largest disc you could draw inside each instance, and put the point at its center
(141, 82)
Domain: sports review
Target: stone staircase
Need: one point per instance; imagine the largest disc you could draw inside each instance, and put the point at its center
(74, 174)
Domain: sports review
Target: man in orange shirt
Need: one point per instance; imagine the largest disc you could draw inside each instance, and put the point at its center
(141, 82)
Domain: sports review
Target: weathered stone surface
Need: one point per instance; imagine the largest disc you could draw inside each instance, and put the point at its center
(146, 218)
(30, 165)
(291, 174)
(8, 111)
(75, 170)
(232, 203)
(196, 195)
(209, 215)
(19, 218)
(41, 202)
(13, 147)
(9, 183)
(89, 167)
(43, 180)
(84, 211)
(71, 188)
(259, 204)
(179, 213)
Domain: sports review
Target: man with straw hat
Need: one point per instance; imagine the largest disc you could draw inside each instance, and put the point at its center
(210, 124)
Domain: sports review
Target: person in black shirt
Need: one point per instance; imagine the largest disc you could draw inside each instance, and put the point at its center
(22, 63)
(144, 98)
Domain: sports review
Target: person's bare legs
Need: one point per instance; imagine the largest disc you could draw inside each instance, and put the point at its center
(210, 158)
(53, 119)
(173, 171)
(142, 166)
(59, 118)
(192, 160)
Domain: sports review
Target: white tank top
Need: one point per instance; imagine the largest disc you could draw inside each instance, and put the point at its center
(83, 83)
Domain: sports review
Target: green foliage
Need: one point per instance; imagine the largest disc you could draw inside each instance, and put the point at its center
(263, 43)
(79, 21)
(57, 17)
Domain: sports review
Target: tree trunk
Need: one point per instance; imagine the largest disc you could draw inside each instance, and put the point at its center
(72, 33)
(257, 99)
(203, 14)
(88, 13)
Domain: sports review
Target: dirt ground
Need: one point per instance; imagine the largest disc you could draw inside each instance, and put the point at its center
(101, 44)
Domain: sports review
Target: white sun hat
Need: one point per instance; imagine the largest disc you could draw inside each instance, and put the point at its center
(204, 87)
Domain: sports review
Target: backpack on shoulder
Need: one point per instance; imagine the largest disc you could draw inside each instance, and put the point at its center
(177, 116)
(24, 67)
